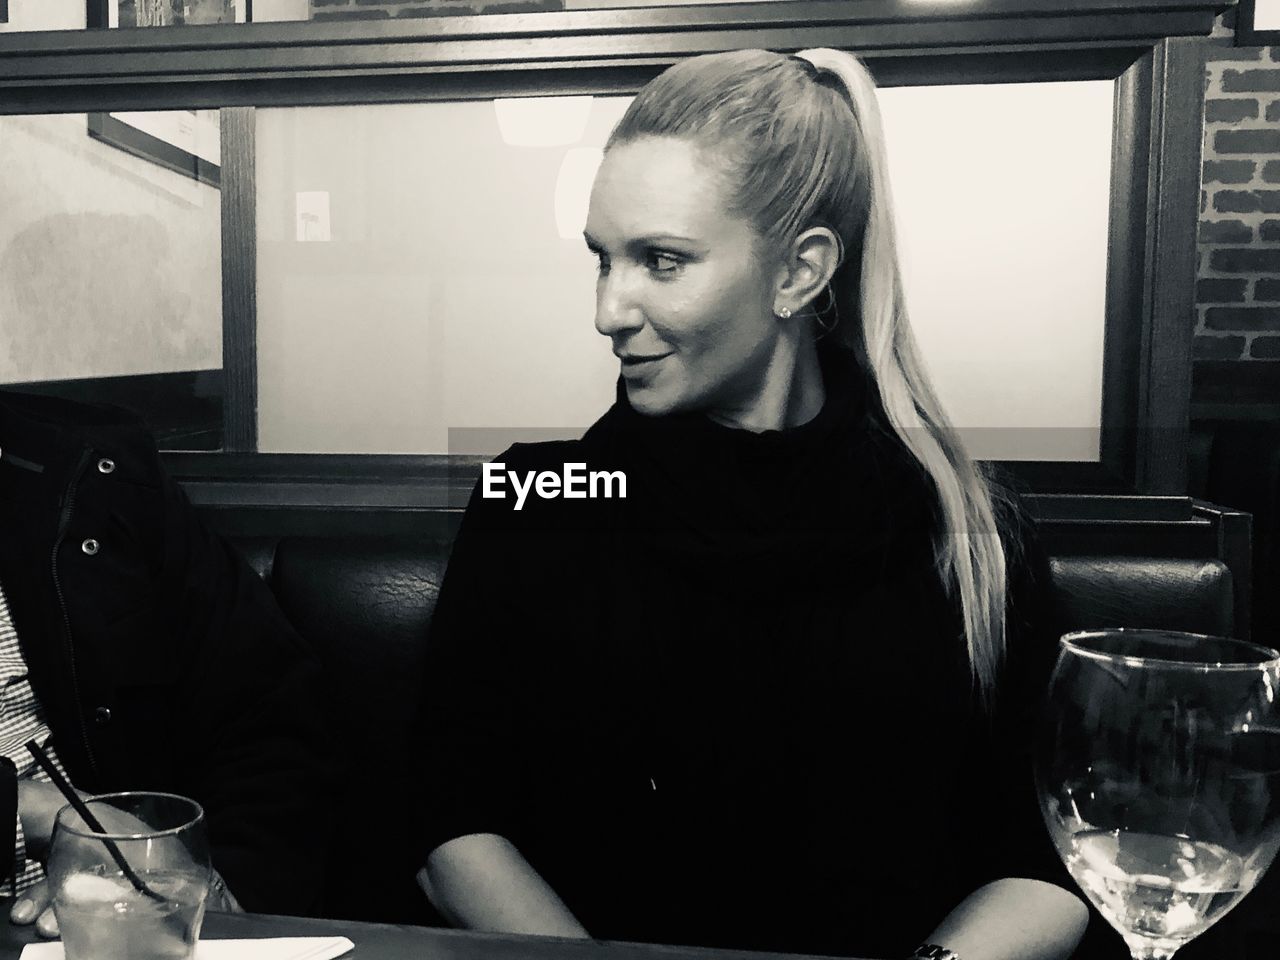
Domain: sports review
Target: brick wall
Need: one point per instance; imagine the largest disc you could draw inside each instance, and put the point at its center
(386, 9)
(1238, 254)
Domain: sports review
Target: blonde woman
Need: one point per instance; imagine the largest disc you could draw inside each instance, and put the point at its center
(777, 696)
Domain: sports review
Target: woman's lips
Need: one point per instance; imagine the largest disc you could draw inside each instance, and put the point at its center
(637, 364)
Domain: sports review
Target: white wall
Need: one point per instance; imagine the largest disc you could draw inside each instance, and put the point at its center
(453, 294)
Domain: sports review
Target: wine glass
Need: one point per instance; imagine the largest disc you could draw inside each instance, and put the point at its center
(130, 880)
(1158, 772)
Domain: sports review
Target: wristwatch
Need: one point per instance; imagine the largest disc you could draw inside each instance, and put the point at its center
(931, 951)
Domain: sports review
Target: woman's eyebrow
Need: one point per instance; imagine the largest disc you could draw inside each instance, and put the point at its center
(656, 239)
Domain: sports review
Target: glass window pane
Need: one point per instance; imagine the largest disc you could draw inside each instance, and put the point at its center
(43, 15)
(70, 14)
(1003, 243)
(170, 13)
(421, 267)
(422, 270)
(110, 265)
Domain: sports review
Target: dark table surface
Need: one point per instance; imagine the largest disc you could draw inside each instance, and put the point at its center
(375, 941)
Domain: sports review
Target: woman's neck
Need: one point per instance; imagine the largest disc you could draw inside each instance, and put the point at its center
(791, 393)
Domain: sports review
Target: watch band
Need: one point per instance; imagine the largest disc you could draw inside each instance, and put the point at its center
(931, 951)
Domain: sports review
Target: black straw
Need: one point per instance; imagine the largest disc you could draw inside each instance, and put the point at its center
(73, 798)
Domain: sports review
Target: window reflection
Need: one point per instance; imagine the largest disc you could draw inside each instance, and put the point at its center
(110, 275)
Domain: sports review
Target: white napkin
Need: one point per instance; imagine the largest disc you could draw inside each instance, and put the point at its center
(273, 948)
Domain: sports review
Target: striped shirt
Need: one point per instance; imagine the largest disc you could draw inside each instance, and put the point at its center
(21, 719)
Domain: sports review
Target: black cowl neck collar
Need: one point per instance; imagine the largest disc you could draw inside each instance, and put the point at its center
(797, 499)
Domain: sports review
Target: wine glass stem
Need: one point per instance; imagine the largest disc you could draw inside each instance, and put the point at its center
(1151, 951)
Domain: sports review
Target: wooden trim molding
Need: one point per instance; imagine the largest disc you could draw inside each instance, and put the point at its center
(1169, 289)
(363, 61)
(239, 280)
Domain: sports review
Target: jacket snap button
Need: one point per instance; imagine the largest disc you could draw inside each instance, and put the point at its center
(106, 466)
(102, 716)
(90, 547)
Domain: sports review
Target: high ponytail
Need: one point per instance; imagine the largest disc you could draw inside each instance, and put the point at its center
(801, 139)
(970, 555)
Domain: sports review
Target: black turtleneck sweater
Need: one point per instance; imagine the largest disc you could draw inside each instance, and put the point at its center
(734, 708)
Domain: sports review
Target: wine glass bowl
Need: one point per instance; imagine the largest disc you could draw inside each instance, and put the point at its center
(1158, 773)
(130, 880)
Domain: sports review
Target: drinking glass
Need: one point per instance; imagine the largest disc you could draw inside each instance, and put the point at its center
(136, 890)
(1158, 772)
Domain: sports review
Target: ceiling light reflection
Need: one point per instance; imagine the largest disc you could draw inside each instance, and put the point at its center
(573, 190)
(542, 121)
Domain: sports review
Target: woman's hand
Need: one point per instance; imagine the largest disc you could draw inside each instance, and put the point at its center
(1014, 919)
(34, 905)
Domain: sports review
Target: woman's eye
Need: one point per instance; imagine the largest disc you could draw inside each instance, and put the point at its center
(602, 263)
(664, 262)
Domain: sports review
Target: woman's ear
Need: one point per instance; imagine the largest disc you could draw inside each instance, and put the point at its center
(809, 266)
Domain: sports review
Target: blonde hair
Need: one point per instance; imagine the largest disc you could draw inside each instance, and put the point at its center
(800, 138)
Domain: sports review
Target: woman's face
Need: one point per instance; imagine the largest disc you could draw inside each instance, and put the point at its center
(683, 292)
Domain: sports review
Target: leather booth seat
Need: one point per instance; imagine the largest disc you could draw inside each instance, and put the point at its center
(1196, 595)
(366, 605)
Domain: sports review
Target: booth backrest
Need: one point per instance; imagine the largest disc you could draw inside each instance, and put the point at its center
(366, 605)
(1174, 594)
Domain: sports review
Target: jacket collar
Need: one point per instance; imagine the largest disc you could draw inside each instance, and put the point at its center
(44, 436)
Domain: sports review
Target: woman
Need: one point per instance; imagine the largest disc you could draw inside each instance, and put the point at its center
(766, 699)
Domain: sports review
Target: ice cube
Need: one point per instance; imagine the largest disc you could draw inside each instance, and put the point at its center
(92, 888)
(1181, 916)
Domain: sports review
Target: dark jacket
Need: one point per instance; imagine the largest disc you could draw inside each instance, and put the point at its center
(160, 659)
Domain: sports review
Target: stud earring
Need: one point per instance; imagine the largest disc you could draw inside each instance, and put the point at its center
(784, 313)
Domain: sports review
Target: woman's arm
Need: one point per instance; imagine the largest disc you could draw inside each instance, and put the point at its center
(482, 882)
(1014, 919)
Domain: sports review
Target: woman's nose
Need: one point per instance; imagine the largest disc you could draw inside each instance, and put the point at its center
(617, 309)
